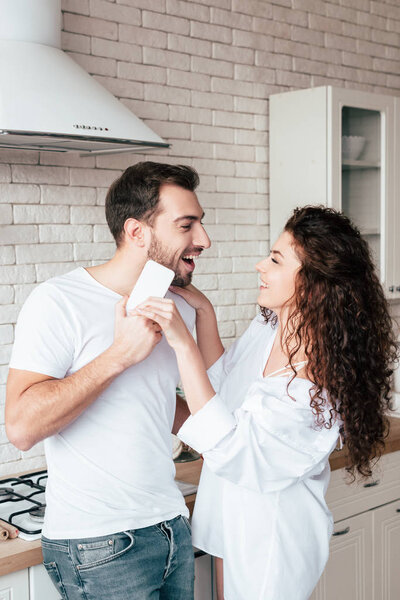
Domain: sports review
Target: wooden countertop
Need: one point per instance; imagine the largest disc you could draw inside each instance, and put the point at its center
(18, 554)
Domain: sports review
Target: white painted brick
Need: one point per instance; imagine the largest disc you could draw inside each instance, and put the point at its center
(6, 216)
(253, 73)
(75, 42)
(211, 66)
(205, 282)
(63, 194)
(231, 19)
(189, 45)
(241, 311)
(226, 329)
(251, 232)
(143, 110)
(28, 157)
(186, 114)
(17, 274)
(6, 294)
(96, 65)
(224, 298)
(118, 50)
(262, 154)
(207, 100)
(251, 201)
(190, 10)
(220, 232)
(340, 42)
(93, 177)
(262, 217)
(87, 214)
(302, 65)
(356, 31)
(257, 8)
(212, 134)
(101, 193)
(168, 95)
(212, 199)
(232, 87)
(39, 174)
(166, 58)
(66, 159)
(236, 216)
(6, 334)
(273, 28)
(288, 15)
(46, 270)
(165, 23)
(114, 12)
(245, 297)
(193, 81)
(237, 281)
(103, 251)
(232, 54)
(39, 253)
(8, 313)
(236, 152)
(2, 397)
(251, 105)
(208, 31)
(273, 61)
(75, 6)
(65, 233)
(101, 233)
(90, 26)
(136, 72)
(156, 5)
(236, 248)
(142, 36)
(22, 291)
(3, 436)
(8, 453)
(211, 265)
(14, 234)
(7, 254)
(244, 264)
(236, 184)
(5, 173)
(41, 214)
(283, 46)
(185, 149)
(213, 167)
(229, 119)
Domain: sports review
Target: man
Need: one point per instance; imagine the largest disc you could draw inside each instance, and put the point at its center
(98, 386)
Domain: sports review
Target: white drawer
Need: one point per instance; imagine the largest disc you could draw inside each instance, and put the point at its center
(345, 500)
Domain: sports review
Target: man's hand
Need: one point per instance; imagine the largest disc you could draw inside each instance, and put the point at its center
(135, 336)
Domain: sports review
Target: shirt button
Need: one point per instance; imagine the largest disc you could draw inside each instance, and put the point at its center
(110, 542)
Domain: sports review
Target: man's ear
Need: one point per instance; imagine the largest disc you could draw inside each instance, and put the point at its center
(136, 232)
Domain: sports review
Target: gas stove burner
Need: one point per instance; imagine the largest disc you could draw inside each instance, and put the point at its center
(37, 514)
(6, 493)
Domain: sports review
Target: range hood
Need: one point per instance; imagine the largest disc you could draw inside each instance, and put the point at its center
(47, 101)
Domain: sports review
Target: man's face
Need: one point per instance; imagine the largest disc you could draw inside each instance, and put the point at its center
(178, 235)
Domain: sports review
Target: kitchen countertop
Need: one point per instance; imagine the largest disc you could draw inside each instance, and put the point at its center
(18, 554)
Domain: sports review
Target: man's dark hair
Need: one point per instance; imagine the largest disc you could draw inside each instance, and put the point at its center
(135, 195)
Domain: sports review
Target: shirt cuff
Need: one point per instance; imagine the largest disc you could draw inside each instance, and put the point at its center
(204, 430)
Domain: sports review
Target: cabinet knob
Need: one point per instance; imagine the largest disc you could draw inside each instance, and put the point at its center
(371, 483)
(397, 288)
(344, 531)
(397, 509)
(391, 288)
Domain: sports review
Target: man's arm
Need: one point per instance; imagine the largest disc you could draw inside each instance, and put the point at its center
(38, 406)
(182, 412)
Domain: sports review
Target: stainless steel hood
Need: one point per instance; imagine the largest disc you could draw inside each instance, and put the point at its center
(47, 101)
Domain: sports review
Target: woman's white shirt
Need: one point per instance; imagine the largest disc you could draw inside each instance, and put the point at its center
(260, 503)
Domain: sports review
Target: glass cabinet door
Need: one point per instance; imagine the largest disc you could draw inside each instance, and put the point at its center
(362, 185)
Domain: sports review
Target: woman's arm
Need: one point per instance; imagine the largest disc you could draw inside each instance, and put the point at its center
(208, 339)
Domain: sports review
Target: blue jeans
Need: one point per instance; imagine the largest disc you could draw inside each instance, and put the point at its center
(151, 563)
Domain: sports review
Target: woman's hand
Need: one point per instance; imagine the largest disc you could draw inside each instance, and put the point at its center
(165, 313)
(193, 296)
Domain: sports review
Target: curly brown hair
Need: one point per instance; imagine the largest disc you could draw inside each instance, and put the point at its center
(341, 319)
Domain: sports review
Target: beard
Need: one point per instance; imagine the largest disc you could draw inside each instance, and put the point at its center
(167, 258)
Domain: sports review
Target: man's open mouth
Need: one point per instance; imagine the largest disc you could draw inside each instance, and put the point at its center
(188, 259)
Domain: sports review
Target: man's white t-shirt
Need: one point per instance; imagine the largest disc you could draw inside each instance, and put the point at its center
(111, 469)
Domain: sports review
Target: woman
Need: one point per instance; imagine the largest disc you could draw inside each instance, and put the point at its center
(313, 367)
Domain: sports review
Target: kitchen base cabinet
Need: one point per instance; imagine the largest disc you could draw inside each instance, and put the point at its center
(348, 574)
(365, 548)
(387, 551)
(203, 578)
(15, 586)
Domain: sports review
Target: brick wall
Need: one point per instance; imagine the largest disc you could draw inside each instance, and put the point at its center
(200, 74)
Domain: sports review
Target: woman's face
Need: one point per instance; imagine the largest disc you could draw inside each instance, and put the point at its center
(277, 274)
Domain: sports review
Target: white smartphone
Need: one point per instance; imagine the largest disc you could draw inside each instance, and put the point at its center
(154, 280)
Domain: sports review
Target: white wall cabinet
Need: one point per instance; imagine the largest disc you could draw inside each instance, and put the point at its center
(365, 546)
(309, 166)
(15, 586)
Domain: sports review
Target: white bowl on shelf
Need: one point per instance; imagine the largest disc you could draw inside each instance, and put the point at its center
(352, 146)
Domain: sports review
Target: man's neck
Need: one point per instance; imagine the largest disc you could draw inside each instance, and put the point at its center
(120, 273)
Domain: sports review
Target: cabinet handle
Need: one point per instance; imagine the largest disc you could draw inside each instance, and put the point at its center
(397, 509)
(372, 483)
(398, 288)
(344, 531)
(391, 288)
